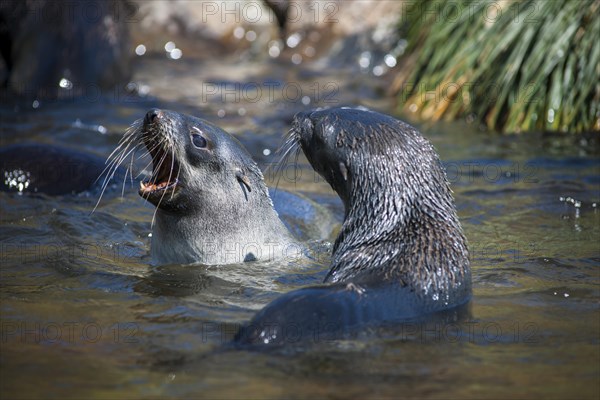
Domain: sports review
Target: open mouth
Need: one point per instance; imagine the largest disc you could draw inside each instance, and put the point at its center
(165, 171)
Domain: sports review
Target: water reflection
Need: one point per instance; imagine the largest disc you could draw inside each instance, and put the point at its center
(533, 323)
(174, 280)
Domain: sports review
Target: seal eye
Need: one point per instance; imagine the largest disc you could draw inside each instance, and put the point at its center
(199, 141)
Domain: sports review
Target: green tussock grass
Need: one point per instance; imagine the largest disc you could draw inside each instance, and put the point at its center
(533, 66)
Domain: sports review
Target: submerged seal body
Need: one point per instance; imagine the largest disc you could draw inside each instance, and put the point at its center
(213, 206)
(48, 169)
(400, 253)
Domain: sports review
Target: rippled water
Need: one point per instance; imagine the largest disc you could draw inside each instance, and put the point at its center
(83, 314)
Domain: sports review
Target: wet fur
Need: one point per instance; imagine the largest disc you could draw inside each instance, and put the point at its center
(400, 253)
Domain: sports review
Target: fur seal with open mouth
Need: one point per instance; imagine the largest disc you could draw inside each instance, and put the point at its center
(212, 205)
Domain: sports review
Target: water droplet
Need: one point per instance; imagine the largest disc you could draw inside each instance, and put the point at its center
(175, 54)
(239, 32)
(274, 51)
(251, 36)
(143, 90)
(306, 100)
(169, 47)
(378, 70)
(310, 51)
(293, 40)
(241, 111)
(65, 83)
(413, 108)
(140, 50)
(566, 294)
(390, 60)
(35, 104)
(221, 113)
(365, 59)
(296, 58)
(266, 152)
(550, 115)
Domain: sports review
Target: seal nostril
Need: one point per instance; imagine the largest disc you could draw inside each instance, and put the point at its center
(152, 115)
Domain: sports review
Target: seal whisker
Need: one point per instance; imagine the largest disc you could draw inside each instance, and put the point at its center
(145, 168)
(120, 153)
(148, 164)
(170, 170)
(289, 145)
(176, 177)
(113, 159)
(129, 170)
(119, 160)
(168, 152)
(131, 133)
(153, 178)
(116, 157)
(110, 172)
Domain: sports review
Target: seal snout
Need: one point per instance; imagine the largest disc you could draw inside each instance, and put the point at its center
(165, 165)
(152, 116)
(303, 126)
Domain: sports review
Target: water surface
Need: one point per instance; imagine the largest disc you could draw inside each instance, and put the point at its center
(84, 315)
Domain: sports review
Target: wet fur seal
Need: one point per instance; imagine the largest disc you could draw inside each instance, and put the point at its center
(48, 169)
(400, 254)
(212, 204)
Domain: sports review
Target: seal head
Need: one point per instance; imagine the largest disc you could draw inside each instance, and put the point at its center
(212, 203)
(192, 161)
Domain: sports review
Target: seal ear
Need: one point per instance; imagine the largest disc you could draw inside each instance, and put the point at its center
(243, 179)
(344, 171)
